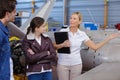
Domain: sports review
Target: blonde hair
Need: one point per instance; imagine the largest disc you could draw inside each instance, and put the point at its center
(79, 16)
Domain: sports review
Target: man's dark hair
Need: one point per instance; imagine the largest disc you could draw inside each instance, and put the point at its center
(6, 6)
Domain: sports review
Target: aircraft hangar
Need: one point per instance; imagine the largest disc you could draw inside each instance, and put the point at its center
(100, 18)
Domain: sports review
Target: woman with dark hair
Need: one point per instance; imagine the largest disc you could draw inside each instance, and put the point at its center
(39, 51)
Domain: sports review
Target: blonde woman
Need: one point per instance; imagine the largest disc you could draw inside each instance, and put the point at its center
(70, 65)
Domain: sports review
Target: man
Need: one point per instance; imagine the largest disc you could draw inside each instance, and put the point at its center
(7, 14)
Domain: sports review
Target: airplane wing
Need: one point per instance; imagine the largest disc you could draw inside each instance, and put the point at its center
(15, 31)
(105, 71)
(43, 11)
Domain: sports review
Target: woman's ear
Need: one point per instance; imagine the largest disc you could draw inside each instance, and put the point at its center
(80, 21)
(36, 29)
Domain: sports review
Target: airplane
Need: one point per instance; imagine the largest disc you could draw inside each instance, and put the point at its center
(103, 64)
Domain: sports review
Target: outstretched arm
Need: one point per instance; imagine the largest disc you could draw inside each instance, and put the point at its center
(94, 46)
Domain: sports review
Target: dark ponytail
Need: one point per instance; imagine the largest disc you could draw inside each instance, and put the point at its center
(35, 23)
(28, 30)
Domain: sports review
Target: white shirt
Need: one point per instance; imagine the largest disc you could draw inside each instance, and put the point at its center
(76, 40)
(11, 69)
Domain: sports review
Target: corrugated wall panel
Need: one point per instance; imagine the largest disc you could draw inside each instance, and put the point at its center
(92, 10)
(57, 12)
(114, 12)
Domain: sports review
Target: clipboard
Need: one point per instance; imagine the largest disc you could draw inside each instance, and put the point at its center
(59, 38)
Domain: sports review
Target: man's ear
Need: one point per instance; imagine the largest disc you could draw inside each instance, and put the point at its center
(7, 15)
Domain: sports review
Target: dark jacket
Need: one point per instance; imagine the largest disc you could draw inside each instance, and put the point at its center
(41, 57)
(4, 53)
